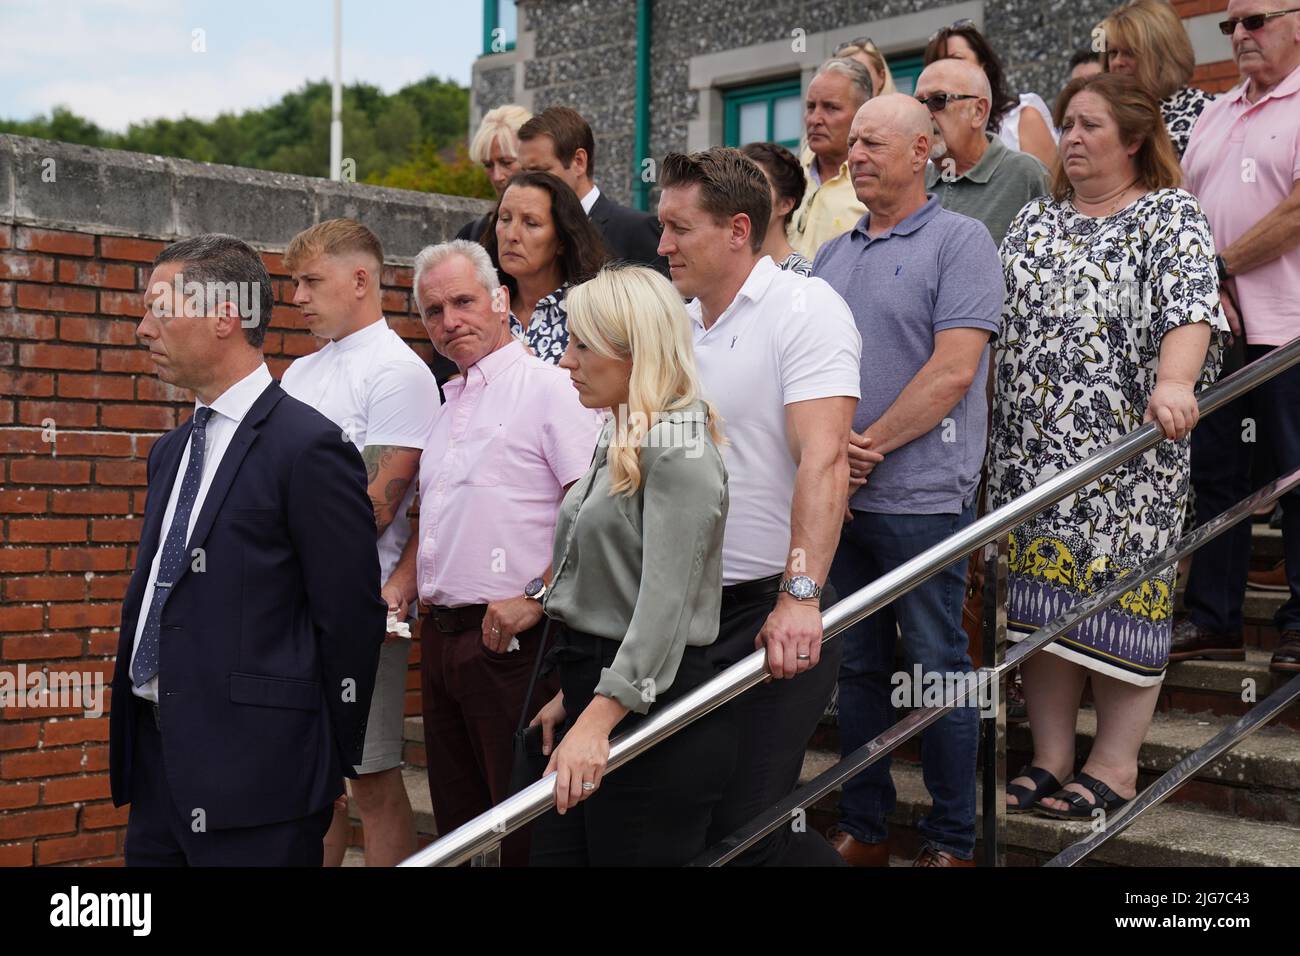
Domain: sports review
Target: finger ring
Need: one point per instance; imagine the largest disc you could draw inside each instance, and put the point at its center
(588, 785)
(803, 657)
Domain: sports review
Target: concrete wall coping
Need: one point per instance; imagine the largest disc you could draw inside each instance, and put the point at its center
(114, 192)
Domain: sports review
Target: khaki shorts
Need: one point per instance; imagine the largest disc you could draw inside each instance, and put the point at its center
(383, 750)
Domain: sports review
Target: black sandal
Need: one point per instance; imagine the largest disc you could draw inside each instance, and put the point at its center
(1044, 783)
(1081, 808)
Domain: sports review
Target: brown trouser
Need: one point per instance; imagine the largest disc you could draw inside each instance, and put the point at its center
(472, 698)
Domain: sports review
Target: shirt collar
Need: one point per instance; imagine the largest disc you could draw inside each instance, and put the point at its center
(489, 367)
(988, 164)
(362, 337)
(235, 401)
(1290, 84)
(753, 289)
(589, 200)
(909, 225)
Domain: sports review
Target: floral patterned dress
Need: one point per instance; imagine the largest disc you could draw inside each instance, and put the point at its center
(1088, 302)
(547, 335)
(1181, 111)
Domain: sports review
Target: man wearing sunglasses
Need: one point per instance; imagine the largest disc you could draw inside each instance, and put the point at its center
(972, 172)
(1243, 164)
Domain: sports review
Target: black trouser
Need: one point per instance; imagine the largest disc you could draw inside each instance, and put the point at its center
(774, 722)
(1222, 450)
(655, 809)
(158, 833)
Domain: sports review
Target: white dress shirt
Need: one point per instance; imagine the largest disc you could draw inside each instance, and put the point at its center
(589, 200)
(228, 411)
(379, 392)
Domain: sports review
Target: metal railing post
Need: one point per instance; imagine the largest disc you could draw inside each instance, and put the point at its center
(994, 726)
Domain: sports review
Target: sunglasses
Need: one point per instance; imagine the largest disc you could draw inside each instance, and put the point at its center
(955, 25)
(937, 102)
(864, 43)
(1253, 22)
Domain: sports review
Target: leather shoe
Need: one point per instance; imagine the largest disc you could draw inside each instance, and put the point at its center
(1274, 579)
(1286, 659)
(930, 856)
(1191, 643)
(857, 853)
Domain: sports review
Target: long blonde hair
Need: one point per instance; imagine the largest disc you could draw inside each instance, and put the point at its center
(634, 312)
(1155, 34)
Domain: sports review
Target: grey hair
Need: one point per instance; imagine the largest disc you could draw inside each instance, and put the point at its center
(858, 74)
(225, 264)
(430, 257)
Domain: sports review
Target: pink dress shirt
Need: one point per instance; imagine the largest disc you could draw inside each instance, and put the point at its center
(1242, 161)
(511, 435)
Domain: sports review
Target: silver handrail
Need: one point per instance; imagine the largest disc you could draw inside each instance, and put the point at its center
(1183, 771)
(488, 828)
(911, 725)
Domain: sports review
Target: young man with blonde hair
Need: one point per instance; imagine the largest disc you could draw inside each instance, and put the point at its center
(383, 397)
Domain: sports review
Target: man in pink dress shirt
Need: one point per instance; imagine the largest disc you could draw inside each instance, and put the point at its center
(510, 439)
(1243, 165)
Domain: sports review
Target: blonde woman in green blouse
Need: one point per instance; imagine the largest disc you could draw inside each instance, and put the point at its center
(636, 588)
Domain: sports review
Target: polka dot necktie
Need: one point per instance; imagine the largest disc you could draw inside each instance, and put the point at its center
(145, 666)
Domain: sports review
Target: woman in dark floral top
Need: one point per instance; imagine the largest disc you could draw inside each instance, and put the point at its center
(1112, 319)
(1146, 39)
(541, 243)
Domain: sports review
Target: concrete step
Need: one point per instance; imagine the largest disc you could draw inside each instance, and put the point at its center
(1164, 836)
(1259, 779)
(1266, 545)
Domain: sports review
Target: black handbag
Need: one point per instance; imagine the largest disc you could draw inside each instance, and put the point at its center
(529, 762)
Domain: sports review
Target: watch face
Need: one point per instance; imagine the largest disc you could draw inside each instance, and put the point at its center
(802, 587)
(533, 587)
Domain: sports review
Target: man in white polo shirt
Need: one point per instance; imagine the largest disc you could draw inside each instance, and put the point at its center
(383, 398)
(779, 355)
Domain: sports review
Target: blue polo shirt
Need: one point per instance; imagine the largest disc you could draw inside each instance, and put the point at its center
(935, 270)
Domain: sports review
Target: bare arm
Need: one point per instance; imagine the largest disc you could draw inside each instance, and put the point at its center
(933, 392)
(1036, 138)
(1273, 236)
(818, 431)
(1173, 400)
(390, 469)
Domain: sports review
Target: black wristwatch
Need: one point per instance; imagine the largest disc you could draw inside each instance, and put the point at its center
(801, 588)
(535, 589)
(1224, 274)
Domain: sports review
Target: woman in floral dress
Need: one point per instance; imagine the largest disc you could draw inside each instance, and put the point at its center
(1110, 321)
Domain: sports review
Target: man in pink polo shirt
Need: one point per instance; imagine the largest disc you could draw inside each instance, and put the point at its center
(1243, 164)
(510, 439)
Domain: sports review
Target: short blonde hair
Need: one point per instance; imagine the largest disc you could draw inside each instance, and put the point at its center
(499, 126)
(634, 312)
(333, 237)
(1159, 41)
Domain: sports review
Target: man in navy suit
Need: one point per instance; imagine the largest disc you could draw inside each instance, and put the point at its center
(252, 625)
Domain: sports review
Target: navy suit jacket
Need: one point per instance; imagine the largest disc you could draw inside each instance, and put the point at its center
(629, 234)
(268, 648)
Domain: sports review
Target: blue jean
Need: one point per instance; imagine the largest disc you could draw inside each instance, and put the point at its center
(929, 616)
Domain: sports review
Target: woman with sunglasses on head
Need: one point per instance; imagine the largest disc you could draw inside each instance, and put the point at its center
(1146, 39)
(865, 52)
(1023, 122)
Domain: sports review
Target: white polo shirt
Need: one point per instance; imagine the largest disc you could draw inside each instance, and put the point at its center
(379, 392)
(784, 339)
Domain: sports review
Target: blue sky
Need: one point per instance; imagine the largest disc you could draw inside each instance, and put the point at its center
(120, 61)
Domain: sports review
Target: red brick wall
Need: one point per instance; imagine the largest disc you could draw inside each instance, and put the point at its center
(1211, 77)
(70, 513)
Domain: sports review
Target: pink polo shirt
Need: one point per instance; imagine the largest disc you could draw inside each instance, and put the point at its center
(510, 436)
(1242, 161)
